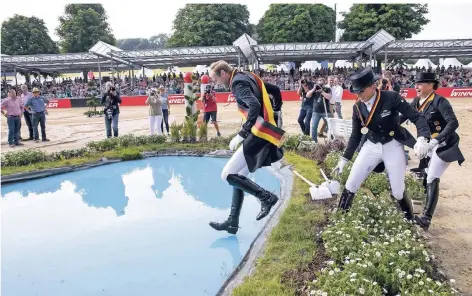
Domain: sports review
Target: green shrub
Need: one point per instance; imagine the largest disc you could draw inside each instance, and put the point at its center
(175, 130)
(414, 188)
(68, 154)
(203, 132)
(23, 157)
(377, 183)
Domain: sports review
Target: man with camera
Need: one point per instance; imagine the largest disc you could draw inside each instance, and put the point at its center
(388, 83)
(306, 111)
(210, 108)
(321, 108)
(111, 100)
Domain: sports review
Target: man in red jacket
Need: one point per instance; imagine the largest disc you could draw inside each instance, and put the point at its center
(210, 108)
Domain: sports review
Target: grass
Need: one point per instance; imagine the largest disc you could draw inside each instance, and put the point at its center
(290, 245)
(128, 153)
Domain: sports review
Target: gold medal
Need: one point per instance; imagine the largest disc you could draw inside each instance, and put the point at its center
(434, 135)
(364, 130)
(391, 134)
(438, 128)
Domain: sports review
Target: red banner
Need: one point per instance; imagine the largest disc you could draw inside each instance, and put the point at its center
(61, 103)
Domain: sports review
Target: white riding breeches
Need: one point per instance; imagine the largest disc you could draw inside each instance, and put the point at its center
(236, 165)
(393, 156)
(436, 166)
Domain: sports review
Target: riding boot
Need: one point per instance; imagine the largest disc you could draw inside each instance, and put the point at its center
(406, 206)
(432, 196)
(425, 183)
(232, 223)
(267, 198)
(345, 201)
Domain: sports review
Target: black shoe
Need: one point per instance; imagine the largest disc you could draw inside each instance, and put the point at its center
(267, 198)
(19, 144)
(406, 207)
(231, 225)
(29, 139)
(45, 140)
(345, 201)
(432, 196)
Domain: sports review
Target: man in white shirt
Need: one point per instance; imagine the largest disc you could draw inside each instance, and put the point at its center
(336, 97)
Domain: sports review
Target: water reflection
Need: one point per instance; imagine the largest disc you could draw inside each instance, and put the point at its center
(133, 228)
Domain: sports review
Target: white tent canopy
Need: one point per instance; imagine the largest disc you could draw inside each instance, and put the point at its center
(147, 72)
(425, 63)
(311, 65)
(173, 69)
(453, 62)
(200, 69)
(282, 67)
(469, 66)
(343, 63)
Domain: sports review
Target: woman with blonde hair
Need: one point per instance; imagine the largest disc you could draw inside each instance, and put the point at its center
(155, 112)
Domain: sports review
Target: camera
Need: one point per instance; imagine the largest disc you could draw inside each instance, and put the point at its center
(109, 113)
(384, 81)
(317, 87)
(303, 81)
(208, 89)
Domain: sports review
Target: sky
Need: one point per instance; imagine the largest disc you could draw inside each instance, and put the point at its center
(143, 19)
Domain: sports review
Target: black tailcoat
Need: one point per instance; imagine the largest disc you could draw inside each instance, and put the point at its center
(442, 122)
(257, 152)
(385, 125)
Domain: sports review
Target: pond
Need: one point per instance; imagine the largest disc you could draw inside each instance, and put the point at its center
(129, 228)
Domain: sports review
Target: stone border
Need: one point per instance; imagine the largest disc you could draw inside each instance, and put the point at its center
(247, 264)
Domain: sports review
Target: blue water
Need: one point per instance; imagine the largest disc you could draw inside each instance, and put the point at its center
(137, 228)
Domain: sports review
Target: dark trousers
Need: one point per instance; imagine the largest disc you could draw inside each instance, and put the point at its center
(13, 123)
(304, 119)
(165, 119)
(39, 118)
(29, 123)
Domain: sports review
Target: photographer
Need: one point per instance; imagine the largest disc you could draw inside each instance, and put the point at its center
(306, 111)
(321, 96)
(388, 83)
(110, 101)
(210, 108)
(155, 112)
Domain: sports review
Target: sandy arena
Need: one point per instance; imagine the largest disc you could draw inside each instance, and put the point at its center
(450, 233)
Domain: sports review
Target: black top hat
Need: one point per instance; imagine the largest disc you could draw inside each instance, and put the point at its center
(361, 79)
(426, 77)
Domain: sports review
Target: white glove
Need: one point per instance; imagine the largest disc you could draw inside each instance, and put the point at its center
(235, 142)
(433, 143)
(421, 148)
(339, 168)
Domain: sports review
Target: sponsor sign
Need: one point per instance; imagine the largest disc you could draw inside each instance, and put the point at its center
(62, 103)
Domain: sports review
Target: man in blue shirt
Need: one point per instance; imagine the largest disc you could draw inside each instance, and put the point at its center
(37, 106)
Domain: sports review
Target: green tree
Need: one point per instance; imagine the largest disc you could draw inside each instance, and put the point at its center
(159, 41)
(26, 35)
(82, 26)
(209, 24)
(402, 21)
(134, 44)
(285, 23)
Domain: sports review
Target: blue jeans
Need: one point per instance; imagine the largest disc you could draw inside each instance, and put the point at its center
(109, 124)
(314, 125)
(304, 119)
(39, 118)
(337, 107)
(13, 123)
(165, 120)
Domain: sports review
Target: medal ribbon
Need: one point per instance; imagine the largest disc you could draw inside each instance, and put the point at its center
(429, 99)
(371, 113)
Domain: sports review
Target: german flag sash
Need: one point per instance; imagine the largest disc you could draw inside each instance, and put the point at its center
(264, 128)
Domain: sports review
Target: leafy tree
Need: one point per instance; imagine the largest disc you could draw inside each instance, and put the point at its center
(82, 26)
(133, 44)
(400, 20)
(159, 41)
(209, 24)
(26, 35)
(285, 23)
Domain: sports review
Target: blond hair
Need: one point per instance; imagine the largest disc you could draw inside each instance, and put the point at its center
(387, 74)
(220, 65)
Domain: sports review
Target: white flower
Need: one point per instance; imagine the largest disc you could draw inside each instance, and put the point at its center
(374, 283)
(419, 270)
(324, 294)
(378, 254)
(391, 263)
(353, 280)
(438, 283)
(337, 270)
(375, 230)
(361, 291)
(385, 243)
(353, 274)
(409, 276)
(421, 283)
(427, 259)
(331, 272)
(452, 281)
(335, 249)
(392, 240)
(431, 291)
(330, 262)
(425, 253)
(428, 279)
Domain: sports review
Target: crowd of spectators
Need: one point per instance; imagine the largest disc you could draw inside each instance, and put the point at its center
(290, 80)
